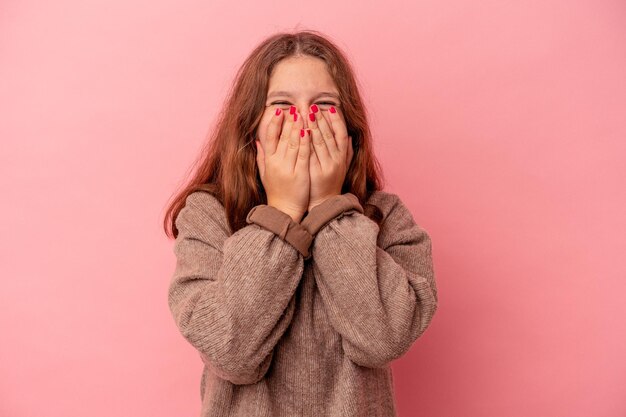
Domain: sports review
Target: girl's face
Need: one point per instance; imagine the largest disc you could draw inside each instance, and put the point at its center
(302, 82)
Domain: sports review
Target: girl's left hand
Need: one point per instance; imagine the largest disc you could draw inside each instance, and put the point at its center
(332, 154)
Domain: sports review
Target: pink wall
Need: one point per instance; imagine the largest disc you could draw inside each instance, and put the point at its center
(501, 124)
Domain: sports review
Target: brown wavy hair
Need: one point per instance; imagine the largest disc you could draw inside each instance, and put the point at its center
(226, 166)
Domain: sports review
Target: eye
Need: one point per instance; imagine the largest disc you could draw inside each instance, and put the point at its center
(280, 103)
(322, 103)
(327, 103)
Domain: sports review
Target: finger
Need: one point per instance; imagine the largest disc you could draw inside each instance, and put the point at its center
(304, 153)
(313, 158)
(260, 158)
(324, 147)
(287, 132)
(325, 128)
(327, 120)
(273, 131)
(339, 127)
(292, 145)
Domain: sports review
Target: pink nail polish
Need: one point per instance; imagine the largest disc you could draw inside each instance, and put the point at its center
(312, 117)
(292, 109)
(301, 132)
(332, 109)
(295, 117)
(278, 111)
(314, 108)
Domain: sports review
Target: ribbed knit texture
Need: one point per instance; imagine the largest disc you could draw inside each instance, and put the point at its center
(281, 336)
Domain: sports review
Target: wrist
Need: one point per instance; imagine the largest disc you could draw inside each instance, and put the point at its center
(317, 202)
(296, 215)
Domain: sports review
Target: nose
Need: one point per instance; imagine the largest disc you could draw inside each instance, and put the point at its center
(304, 111)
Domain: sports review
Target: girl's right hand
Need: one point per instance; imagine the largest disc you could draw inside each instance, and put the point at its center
(283, 162)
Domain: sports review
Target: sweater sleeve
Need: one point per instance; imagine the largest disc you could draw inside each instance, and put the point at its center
(231, 296)
(379, 298)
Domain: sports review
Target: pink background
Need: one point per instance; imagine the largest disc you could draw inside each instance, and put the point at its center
(500, 124)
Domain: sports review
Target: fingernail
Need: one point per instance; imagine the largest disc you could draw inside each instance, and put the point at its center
(312, 117)
(301, 132)
(309, 131)
(292, 109)
(295, 117)
(278, 111)
(314, 108)
(332, 109)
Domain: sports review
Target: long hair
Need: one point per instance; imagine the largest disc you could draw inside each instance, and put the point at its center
(226, 166)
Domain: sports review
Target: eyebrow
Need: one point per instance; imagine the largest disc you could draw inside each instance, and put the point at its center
(288, 94)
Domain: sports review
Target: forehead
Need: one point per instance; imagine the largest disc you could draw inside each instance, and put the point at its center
(301, 75)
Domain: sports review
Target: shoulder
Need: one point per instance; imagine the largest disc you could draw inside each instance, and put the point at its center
(384, 200)
(391, 206)
(204, 202)
(204, 212)
(397, 217)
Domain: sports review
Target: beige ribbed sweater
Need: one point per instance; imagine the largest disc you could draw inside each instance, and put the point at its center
(301, 319)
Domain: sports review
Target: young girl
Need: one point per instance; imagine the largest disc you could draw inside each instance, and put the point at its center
(298, 280)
